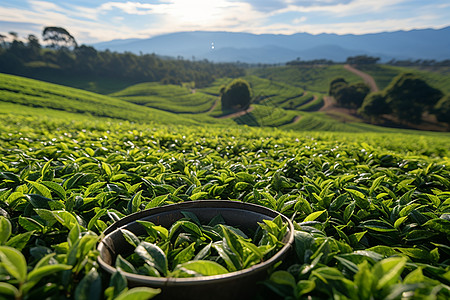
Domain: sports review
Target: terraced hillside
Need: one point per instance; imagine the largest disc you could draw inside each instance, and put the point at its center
(21, 95)
(173, 98)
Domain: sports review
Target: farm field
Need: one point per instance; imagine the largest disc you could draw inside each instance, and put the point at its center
(371, 210)
(19, 95)
(173, 98)
(383, 74)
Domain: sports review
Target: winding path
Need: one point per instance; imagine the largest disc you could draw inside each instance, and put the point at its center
(366, 77)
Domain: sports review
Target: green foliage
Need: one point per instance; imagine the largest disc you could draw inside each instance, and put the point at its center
(409, 96)
(58, 37)
(362, 202)
(442, 109)
(374, 105)
(190, 249)
(28, 92)
(173, 98)
(362, 60)
(310, 78)
(348, 95)
(237, 95)
(67, 60)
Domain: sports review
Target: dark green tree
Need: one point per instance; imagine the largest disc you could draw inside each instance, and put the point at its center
(442, 110)
(237, 95)
(2, 41)
(58, 38)
(337, 84)
(409, 96)
(351, 96)
(362, 60)
(374, 105)
(34, 48)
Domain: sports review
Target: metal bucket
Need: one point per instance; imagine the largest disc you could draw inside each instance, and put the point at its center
(238, 285)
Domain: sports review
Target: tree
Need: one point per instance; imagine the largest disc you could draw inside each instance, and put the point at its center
(33, 47)
(362, 60)
(374, 105)
(409, 96)
(2, 41)
(237, 95)
(58, 37)
(442, 110)
(351, 96)
(337, 84)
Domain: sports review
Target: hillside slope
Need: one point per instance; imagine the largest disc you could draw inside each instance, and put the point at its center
(33, 93)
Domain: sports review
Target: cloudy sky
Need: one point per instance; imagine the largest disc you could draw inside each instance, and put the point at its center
(91, 21)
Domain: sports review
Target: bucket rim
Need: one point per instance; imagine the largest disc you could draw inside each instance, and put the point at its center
(224, 204)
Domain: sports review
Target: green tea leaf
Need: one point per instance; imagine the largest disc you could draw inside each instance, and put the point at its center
(204, 252)
(30, 224)
(124, 265)
(20, 240)
(135, 202)
(440, 225)
(232, 241)
(117, 284)
(41, 189)
(65, 218)
(14, 263)
(154, 256)
(188, 226)
(314, 216)
(284, 278)
(37, 273)
(303, 242)
(90, 287)
(58, 189)
(5, 230)
(364, 280)
(7, 289)
(388, 271)
(97, 216)
(203, 267)
(184, 255)
(130, 237)
(399, 222)
(139, 293)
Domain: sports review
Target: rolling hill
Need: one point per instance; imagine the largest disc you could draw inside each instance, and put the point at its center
(19, 94)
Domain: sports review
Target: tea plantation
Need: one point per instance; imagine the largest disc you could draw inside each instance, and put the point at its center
(371, 210)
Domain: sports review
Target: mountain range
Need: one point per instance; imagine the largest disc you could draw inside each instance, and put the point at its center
(430, 44)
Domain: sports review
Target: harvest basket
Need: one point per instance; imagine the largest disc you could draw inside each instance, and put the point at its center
(238, 285)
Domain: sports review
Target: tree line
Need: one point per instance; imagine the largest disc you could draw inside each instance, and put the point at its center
(406, 98)
(370, 60)
(63, 56)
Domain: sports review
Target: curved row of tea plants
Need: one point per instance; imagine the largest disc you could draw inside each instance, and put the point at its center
(371, 210)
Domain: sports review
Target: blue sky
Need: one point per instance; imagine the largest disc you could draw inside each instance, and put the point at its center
(91, 21)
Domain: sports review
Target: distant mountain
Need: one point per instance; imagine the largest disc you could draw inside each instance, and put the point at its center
(271, 48)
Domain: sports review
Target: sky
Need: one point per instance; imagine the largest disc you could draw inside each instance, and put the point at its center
(91, 21)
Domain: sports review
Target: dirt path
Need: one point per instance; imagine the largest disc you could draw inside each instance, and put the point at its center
(328, 102)
(237, 114)
(214, 105)
(366, 77)
(296, 119)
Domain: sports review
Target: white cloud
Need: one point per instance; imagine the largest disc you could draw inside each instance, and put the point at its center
(116, 19)
(132, 8)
